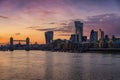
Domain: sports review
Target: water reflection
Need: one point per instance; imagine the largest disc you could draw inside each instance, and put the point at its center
(48, 66)
(39, 65)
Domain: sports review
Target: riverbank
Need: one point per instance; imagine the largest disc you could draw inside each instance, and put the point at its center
(91, 50)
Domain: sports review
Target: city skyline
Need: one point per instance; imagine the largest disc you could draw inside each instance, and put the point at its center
(31, 18)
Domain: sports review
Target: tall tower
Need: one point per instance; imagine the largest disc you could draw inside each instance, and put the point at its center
(78, 31)
(96, 35)
(101, 34)
(11, 47)
(11, 41)
(27, 44)
(27, 41)
(93, 36)
(49, 37)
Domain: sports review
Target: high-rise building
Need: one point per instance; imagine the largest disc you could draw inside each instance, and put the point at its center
(84, 38)
(11, 41)
(96, 35)
(49, 37)
(93, 36)
(27, 41)
(78, 31)
(101, 34)
(72, 38)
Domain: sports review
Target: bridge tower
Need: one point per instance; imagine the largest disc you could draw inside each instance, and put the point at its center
(11, 41)
(11, 44)
(27, 43)
(26, 47)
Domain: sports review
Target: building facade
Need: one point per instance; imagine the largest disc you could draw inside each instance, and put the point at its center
(101, 34)
(78, 31)
(49, 37)
(93, 36)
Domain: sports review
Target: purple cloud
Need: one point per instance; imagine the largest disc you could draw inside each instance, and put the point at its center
(4, 17)
(64, 27)
(33, 27)
(110, 23)
(46, 29)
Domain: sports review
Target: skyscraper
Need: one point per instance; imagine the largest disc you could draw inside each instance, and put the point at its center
(84, 38)
(78, 31)
(72, 38)
(101, 34)
(11, 41)
(49, 37)
(93, 36)
(27, 41)
(96, 35)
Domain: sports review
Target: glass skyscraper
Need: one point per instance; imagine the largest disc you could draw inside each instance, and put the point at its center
(93, 36)
(78, 31)
(101, 34)
(49, 37)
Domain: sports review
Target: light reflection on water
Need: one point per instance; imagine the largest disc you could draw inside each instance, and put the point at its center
(43, 65)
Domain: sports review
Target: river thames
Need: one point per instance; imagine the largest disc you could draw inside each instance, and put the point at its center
(45, 65)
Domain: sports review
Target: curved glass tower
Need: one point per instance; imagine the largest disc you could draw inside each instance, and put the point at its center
(78, 31)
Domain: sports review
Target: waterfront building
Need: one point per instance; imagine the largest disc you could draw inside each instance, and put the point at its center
(116, 43)
(72, 38)
(49, 37)
(106, 41)
(84, 38)
(27, 41)
(113, 38)
(78, 31)
(100, 34)
(27, 44)
(11, 44)
(11, 41)
(93, 36)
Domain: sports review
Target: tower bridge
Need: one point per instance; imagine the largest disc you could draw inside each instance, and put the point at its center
(12, 46)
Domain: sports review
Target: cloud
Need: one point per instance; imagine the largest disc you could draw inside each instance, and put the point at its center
(63, 31)
(17, 34)
(46, 29)
(33, 27)
(58, 23)
(52, 23)
(63, 24)
(110, 23)
(65, 28)
(54, 10)
(4, 17)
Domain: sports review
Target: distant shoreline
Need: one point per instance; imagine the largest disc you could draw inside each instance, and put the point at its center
(91, 50)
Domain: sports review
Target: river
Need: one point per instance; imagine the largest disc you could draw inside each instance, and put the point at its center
(45, 65)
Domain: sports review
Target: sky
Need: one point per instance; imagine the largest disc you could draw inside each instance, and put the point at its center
(31, 18)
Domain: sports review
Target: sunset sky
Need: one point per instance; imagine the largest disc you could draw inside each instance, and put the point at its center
(31, 18)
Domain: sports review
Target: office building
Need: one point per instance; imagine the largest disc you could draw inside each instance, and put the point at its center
(78, 31)
(49, 37)
(101, 34)
(84, 38)
(72, 38)
(93, 36)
